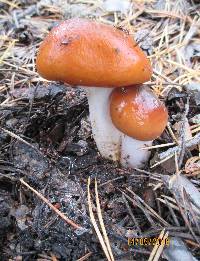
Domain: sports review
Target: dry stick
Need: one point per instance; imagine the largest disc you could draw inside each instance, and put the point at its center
(131, 214)
(185, 219)
(94, 223)
(186, 199)
(190, 143)
(192, 243)
(168, 203)
(139, 205)
(172, 133)
(169, 229)
(18, 138)
(102, 223)
(111, 180)
(169, 198)
(158, 146)
(176, 164)
(148, 207)
(148, 173)
(58, 212)
(160, 248)
(165, 14)
(15, 136)
(172, 213)
(86, 256)
(185, 208)
(155, 249)
(182, 235)
(157, 201)
(182, 145)
(163, 160)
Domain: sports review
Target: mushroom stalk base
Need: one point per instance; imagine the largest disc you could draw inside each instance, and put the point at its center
(132, 154)
(106, 136)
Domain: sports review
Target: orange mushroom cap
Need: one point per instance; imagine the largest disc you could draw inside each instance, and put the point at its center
(138, 113)
(84, 52)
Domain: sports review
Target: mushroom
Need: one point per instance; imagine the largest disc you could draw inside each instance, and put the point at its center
(141, 117)
(99, 58)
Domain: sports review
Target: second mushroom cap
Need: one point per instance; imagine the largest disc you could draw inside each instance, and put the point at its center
(138, 113)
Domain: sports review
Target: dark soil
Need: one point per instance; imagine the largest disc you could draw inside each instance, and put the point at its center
(58, 162)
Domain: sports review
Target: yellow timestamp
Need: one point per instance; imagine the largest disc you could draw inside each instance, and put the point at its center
(145, 241)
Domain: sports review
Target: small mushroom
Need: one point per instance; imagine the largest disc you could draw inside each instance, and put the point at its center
(141, 117)
(99, 58)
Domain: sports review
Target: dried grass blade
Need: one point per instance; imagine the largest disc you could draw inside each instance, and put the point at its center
(155, 249)
(94, 223)
(160, 248)
(148, 207)
(99, 213)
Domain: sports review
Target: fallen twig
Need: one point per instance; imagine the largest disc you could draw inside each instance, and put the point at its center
(58, 212)
(157, 250)
(188, 144)
(104, 241)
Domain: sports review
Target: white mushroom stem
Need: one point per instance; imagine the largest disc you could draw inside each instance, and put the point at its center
(106, 136)
(111, 143)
